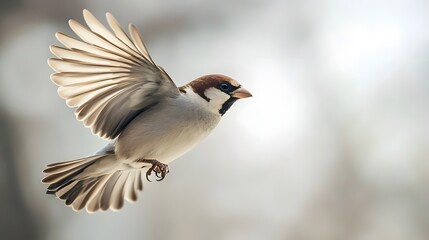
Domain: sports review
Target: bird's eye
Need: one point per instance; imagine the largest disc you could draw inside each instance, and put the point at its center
(224, 86)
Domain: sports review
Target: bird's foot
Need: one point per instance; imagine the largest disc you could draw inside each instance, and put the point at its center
(159, 168)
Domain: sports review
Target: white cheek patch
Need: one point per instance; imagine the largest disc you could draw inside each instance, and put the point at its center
(195, 98)
(217, 98)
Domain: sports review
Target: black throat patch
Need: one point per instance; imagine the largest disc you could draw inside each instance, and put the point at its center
(226, 105)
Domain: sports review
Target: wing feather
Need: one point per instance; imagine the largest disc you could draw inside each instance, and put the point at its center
(119, 32)
(62, 65)
(97, 27)
(93, 38)
(71, 78)
(108, 76)
(138, 42)
(74, 44)
(83, 57)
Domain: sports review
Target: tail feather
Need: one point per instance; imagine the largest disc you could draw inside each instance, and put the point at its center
(107, 192)
(62, 174)
(88, 194)
(92, 189)
(64, 163)
(93, 203)
(72, 194)
(117, 195)
(61, 167)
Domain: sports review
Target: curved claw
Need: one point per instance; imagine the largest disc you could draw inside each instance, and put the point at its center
(162, 177)
(160, 169)
(148, 174)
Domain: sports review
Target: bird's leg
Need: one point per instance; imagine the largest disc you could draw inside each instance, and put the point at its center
(159, 168)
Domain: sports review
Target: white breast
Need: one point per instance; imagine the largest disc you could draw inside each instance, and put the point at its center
(167, 131)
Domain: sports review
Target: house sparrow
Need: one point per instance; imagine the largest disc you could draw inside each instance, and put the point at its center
(123, 96)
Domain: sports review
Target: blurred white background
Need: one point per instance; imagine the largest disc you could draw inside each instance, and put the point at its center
(334, 144)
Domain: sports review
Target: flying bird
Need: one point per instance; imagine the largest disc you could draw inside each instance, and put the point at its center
(123, 96)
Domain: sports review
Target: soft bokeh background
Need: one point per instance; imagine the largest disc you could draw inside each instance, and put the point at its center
(334, 144)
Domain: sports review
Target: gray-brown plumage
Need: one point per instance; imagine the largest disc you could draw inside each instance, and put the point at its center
(123, 96)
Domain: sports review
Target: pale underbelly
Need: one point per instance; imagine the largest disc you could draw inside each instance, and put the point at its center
(164, 150)
(164, 144)
(165, 134)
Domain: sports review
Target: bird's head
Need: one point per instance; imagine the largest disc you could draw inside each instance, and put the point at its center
(218, 90)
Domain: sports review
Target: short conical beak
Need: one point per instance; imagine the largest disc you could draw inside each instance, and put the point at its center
(241, 93)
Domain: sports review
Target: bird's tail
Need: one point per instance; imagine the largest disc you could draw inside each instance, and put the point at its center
(93, 182)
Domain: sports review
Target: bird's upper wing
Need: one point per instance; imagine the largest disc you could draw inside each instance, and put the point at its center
(108, 76)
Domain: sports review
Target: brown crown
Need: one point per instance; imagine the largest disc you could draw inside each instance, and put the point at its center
(201, 84)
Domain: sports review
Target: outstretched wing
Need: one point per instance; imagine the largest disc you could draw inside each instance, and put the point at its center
(109, 77)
